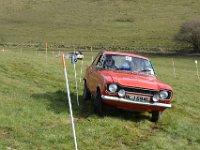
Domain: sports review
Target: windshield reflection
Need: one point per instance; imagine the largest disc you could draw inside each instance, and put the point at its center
(126, 64)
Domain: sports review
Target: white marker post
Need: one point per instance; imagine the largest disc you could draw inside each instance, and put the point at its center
(69, 101)
(91, 53)
(81, 70)
(174, 67)
(196, 62)
(74, 62)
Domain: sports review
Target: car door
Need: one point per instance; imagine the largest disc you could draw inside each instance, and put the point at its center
(94, 75)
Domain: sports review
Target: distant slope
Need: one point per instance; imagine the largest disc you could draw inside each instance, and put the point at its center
(102, 23)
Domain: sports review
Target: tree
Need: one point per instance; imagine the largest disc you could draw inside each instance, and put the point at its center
(190, 33)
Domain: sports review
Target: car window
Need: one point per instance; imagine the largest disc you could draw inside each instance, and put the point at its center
(96, 60)
(142, 66)
(100, 61)
(127, 64)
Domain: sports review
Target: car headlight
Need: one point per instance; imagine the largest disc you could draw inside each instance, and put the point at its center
(163, 94)
(121, 93)
(156, 97)
(112, 88)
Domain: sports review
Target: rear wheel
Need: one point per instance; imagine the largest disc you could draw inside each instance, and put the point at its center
(156, 115)
(98, 104)
(86, 92)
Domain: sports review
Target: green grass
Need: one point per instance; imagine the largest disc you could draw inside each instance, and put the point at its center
(124, 24)
(34, 110)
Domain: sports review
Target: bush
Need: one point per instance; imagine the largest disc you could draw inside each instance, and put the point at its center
(190, 33)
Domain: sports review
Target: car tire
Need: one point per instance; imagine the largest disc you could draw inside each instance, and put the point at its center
(98, 104)
(86, 92)
(156, 115)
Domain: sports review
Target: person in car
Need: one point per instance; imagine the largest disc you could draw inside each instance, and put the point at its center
(110, 63)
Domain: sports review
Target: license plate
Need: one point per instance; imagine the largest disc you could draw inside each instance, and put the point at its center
(138, 98)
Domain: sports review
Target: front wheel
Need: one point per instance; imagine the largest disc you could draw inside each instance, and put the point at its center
(156, 115)
(98, 104)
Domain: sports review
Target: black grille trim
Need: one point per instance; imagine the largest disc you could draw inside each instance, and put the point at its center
(140, 90)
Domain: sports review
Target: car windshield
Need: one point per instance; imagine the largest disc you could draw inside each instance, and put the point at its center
(127, 64)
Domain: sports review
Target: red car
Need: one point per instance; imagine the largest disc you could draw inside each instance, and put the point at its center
(126, 81)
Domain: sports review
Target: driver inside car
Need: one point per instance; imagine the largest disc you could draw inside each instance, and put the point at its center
(110, 63)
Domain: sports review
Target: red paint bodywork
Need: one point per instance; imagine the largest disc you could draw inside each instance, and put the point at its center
(98, 78)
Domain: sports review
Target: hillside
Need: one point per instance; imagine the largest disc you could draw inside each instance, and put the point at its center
(34, 111)
(98, 23)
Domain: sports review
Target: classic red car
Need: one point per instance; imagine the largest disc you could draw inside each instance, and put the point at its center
(126, 81)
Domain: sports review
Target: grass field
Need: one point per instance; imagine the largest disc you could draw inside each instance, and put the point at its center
(34, 109)
(125, 24)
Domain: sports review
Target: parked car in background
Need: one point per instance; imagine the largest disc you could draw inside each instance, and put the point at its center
(126, 81)
(79, 55)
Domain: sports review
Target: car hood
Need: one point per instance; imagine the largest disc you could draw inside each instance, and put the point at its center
(134, 80)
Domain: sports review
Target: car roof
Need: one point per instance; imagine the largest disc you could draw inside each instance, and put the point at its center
(123, 53)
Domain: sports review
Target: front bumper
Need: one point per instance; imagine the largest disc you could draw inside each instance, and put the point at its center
(117, 99)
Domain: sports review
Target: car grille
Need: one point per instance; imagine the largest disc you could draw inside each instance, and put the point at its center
(138, 90)
(143, 91)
